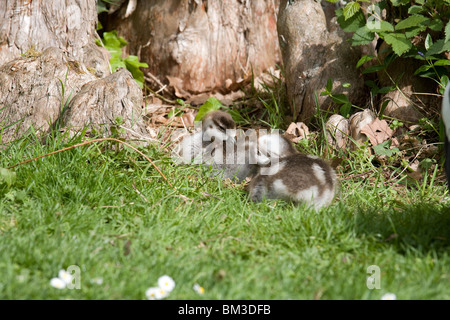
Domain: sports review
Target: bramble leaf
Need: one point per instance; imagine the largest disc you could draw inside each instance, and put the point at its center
(351, 9)
(400, 44)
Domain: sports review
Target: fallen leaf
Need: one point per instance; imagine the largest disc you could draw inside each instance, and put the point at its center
(377, 131)
(296, 131)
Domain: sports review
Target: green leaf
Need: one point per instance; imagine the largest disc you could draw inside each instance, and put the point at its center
(210, 105)
(411, 21)
(329, 86)
(428, 42)
(397, 3)
(345, 110)
(372, 69)
(351, 9)
(340, 98)
(415, 9)
(444, 81)
(101, 7)
(414, 31)
(400, 44)
(7, 176)
(384, 90)
(438, 47)
(112, 42)
(442, 63)
(351, 24)
(132, 64)
(447, 32)
(362, 36)
(363, 60)
(236, 116)
(422, 68)
(436, 24)
(383, 107)
(379, 26)
(383, 149)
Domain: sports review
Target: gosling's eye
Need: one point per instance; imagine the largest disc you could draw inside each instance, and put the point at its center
(222, 128)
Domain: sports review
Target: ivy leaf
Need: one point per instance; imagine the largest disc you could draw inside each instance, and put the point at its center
(112, 41)
(351, 9)
(412, 21)
(362, 36)
(400, 44)
(211, 104)
(132, 64)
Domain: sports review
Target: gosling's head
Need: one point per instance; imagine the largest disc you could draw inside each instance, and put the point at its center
(272, 147)
(218, 125)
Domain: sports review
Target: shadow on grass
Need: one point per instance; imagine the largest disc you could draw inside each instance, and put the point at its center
(421, 227)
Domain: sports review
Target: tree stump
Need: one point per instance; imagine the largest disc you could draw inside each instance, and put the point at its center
(31, 95)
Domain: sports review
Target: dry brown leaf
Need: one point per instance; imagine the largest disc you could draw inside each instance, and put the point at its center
(377, 131)
(177, 85)
(296, 131)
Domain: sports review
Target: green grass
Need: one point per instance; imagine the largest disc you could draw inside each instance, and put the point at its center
(111, 214)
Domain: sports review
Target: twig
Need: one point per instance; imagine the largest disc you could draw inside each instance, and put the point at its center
(91, 141)
(158, 95)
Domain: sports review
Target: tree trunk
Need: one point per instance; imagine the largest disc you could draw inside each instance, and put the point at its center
(48, 57)
(313, 51)
(201, 46)
(68, 24)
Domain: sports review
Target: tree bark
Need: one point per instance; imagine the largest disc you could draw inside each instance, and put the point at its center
(50, 68)
(202, 45)
(67, 24)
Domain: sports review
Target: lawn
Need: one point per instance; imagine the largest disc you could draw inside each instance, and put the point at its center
(112, 215)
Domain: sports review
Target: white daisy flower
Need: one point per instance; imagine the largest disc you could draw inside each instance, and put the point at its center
(389, 296)
(166, 283)
(65, 276)
(154, 293)
(197, 288)
(58, 283)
